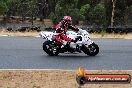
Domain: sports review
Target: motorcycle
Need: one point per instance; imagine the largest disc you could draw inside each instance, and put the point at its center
(83, 43)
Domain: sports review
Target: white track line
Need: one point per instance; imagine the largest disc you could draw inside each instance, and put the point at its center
(127, 38)
(4, 35)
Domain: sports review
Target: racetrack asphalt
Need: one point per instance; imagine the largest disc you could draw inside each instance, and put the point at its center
(27, 53)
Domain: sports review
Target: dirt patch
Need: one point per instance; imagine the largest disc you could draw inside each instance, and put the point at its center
(31, 33)
(52, 79)
(106, 35)
(92, 35)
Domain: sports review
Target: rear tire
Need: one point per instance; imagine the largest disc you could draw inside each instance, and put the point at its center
(91, 50)
(49, 48)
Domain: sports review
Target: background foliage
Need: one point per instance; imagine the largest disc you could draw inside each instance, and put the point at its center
(91, 12)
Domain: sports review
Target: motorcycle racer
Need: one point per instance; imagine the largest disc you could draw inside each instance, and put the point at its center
(61, 29)
(82, 42)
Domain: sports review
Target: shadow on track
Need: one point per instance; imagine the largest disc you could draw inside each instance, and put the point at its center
(72, 56)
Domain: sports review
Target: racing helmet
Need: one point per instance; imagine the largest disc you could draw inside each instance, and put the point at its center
(67, 20)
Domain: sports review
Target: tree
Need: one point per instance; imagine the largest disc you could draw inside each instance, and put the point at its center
(4, 6)
(113, 12)
(33, 9)
(116, 11)
(128, 16)
(99, 15)
(66, 7)
(96, 15)
(92, 3)
(84, 11)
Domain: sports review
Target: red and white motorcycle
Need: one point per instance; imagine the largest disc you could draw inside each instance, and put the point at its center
(84, 43)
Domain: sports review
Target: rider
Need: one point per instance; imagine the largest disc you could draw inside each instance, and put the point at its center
(61, 29)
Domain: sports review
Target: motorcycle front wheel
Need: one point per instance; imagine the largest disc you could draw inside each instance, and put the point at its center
(91, 50)
(50, 48)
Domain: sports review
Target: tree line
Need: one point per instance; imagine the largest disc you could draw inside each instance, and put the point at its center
(91, 12)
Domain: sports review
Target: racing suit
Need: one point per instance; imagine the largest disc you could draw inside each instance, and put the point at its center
(60, 31)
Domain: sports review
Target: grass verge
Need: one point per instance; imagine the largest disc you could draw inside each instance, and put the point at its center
(93, 35)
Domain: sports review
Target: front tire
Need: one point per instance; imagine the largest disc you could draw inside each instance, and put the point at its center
(91, 50)
(50, 48)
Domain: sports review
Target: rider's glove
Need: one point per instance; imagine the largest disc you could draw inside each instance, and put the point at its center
(76, 39)
(73, 40)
